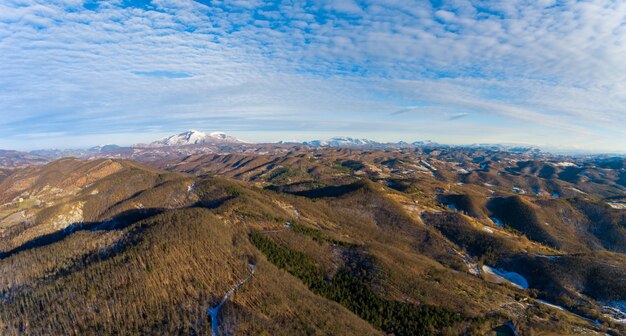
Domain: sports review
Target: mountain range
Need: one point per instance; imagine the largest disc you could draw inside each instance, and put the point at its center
(354, 235)
(294, 239)
(196, 142)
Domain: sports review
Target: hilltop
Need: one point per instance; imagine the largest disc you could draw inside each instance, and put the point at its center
(447, 241)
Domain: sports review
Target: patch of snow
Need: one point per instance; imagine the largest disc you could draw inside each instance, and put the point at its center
(551, 257)
(616, 311)
(618, 205)
(567, 311)
(191, 187)
(513, 278)
(551, 305)
(487, 229)
(578, 191)
(214, 312)
(428, 165)
(566, 164)
(472, 268)
(497, 221)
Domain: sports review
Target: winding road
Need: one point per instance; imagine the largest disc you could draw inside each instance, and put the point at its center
(214, 312)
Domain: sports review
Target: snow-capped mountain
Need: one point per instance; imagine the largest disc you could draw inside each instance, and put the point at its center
(104, 148)
(341, 142)
(356, 142)
(194, 137)
(424, 143)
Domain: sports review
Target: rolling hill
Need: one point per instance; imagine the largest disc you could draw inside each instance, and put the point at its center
(321, 240)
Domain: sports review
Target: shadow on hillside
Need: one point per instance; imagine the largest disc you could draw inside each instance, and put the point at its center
(401, 185)
(213, 203)
(330, 191)
(118, 222)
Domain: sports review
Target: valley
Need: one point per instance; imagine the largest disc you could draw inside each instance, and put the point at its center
(347, 167)
(428, 240)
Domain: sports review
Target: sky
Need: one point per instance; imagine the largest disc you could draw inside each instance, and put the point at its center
(77, 73)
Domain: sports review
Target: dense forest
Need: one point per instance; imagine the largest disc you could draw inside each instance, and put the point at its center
(348, 288)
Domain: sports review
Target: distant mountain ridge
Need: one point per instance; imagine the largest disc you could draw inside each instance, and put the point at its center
(192, 137)
(194, 142)
(11, 158)
(344, 141)
(341, 141)
(79, 153)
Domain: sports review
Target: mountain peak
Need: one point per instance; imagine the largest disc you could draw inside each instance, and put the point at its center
(194, 137)
(219, 135)
(341, 141)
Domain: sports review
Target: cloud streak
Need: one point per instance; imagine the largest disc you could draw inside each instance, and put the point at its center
(543, 71)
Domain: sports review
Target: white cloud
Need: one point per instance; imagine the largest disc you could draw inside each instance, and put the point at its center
(444, 15)
(523, 66)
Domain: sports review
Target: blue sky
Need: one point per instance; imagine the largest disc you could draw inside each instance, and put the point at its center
(79, 73)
